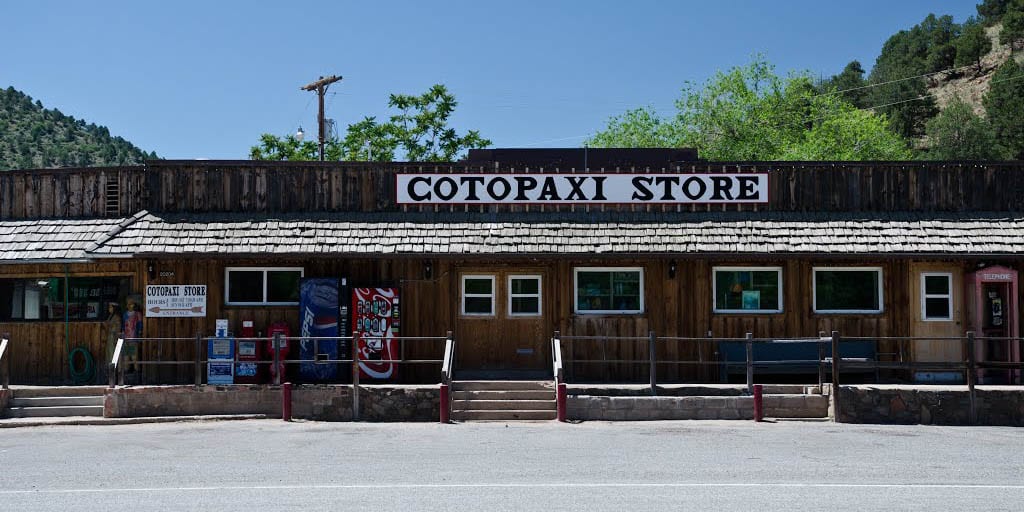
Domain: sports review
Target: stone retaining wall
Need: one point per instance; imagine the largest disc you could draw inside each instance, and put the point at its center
(632, 408)
(938, 406)
(321, 402)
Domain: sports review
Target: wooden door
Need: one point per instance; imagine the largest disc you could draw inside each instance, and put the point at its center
(936, 292)
(502, 319)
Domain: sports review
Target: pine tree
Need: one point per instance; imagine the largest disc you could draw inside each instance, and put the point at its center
(1004, 106)
(972, 45)
(959, 134)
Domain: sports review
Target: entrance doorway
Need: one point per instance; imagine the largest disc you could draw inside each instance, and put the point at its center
(937, 311)
(502, 320)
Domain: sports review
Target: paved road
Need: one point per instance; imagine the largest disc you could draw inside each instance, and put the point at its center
(267, 464)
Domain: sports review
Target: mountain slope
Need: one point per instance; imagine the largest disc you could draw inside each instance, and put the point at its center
(34, 137)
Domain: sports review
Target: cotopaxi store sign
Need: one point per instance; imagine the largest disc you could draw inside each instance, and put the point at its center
(581, 188)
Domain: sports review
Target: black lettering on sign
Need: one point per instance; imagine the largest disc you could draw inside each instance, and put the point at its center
(549, 191)
(690, 183)
(722, 184)
(666, 183)
(576, 182)
(452, 188)
(506, 188)
(599, 189)
(412, 189)
(473, 181)
(640, 190)
(748, 188)
(524, 185)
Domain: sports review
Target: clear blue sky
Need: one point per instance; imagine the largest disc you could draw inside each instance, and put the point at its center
(204, 79)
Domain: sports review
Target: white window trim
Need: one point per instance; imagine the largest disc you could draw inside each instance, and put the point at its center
(947, 296)
(814, 291)
(714, 289)
(463, 295)
(576, 296)
(538, 295)
(227, 284)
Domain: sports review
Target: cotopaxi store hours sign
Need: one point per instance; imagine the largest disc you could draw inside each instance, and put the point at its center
(582, 188)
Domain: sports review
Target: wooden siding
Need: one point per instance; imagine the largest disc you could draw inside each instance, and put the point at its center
(679, 306)
(267, 187)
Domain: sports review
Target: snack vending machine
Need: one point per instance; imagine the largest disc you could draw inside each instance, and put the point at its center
(376, 319)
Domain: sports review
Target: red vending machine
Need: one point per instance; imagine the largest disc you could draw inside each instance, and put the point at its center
(376, 320)
(282, 329)
(248, 350)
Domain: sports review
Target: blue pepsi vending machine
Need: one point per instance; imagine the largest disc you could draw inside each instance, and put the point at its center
(318, 317)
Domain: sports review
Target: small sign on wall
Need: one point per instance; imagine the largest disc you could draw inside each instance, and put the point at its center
(176, 300)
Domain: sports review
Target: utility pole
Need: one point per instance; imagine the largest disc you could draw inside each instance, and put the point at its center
(320, 86)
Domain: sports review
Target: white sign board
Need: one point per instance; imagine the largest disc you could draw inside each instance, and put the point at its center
(651, 188)
(176, 300)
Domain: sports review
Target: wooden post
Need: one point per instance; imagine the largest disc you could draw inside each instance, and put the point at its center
(750, 363)
(198, 360)
(971, 376)
(653, 356)
(355, 377)
(835, 376)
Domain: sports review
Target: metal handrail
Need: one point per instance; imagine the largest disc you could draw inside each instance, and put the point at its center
(5, 363)
(556, 359)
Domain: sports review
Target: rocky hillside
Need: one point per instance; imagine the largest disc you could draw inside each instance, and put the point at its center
(32, 136)
(972, 83)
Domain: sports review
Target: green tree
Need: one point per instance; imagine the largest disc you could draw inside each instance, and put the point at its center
(850, 83)
(972, 45)
(991, 11)
(957, 133)
(1013, 26)
(1004, 107)
(750, 113)
(419, 130)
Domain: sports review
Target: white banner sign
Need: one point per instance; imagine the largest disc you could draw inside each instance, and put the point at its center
(581, 188)
(176, 300)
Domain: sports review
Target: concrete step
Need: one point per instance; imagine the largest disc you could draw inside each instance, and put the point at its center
(498, 415)
(54, 391)
(56, 401)
(502, 385)
(508, 405)
(796, 406)
(504, 395)
(54, 412)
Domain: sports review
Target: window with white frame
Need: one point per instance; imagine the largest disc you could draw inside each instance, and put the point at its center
(936, 296)
(524, 295)
(478, 295)
(847, 290)
(747, 289)
(262, 286)
(611, 290)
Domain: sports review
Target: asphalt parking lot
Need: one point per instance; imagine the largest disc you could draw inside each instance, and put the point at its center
(270, 464)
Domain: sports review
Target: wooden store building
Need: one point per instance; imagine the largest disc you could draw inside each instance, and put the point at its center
(509, 246)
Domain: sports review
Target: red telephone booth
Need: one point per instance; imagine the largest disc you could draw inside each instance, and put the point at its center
(285, 331)
(993, 316)
(247, 352)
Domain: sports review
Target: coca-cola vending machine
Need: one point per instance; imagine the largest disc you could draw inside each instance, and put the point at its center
(376, 320)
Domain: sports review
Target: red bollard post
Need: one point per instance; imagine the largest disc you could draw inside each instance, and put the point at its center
(286, 401)
(560, 401)
(444, 403)
(758, 403)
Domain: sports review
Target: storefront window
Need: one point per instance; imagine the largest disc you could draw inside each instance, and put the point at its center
(748, 289)
(250, 286)
(478, 295)
(43, 298)
(848, 290)
(524, 295)
(936, 296)
(609, 290)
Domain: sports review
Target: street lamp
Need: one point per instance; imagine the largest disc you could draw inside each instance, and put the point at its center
(300, 134)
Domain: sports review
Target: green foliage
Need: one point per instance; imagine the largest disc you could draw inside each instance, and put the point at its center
(959, 134)
(991, 11)
(33, 137)
(850, 83)
(1013, 27)
(972, 45)
(419, 130)
(750, 113)
(1004, 106)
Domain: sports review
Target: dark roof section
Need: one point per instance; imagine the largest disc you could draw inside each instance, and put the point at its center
(583, 158)
(438, 234)
(57, 240)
